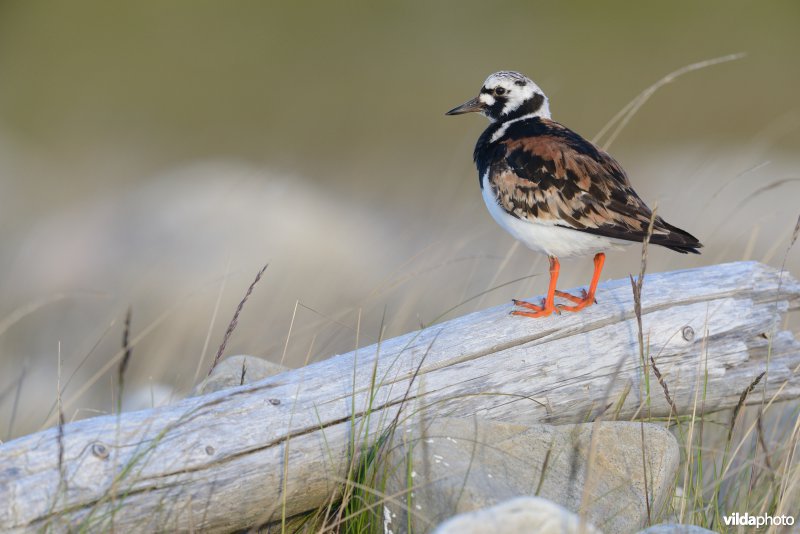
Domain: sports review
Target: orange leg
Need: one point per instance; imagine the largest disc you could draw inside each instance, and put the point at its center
(548, 305)
(586, 299)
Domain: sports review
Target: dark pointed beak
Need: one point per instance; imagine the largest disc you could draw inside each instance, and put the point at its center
(467, 107)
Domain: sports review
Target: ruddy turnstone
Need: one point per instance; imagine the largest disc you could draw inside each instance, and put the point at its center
(553, 190)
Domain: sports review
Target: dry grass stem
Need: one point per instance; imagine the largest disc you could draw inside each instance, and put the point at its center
(626, 113)
(742, 399)
(23, 311)
(795, 233)
(15, 405)
(235, 319)
(212, 322)
(664, 387)
(244, 372)
(127, 350)
(761, 190)
(761, 442)
(61, 469)
(289, 333)
(637, 308)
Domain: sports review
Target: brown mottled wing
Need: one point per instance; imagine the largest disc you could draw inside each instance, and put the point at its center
(557, 176)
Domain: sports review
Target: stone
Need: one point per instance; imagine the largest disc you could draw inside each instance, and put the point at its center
(595, 469)
(521, 515)
(228, 373)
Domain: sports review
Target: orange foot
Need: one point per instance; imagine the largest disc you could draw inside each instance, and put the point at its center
(587, 298)
(548, 307)
(580, 302)
(538, 311)
(570, 296)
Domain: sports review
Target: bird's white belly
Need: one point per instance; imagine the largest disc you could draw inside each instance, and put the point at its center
(547, 238)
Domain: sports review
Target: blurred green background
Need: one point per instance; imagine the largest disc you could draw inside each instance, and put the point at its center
(156, 154)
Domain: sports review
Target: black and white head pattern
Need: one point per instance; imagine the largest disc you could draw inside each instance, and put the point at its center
(509, 95)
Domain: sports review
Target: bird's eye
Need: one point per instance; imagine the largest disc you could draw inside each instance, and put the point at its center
(499, 91)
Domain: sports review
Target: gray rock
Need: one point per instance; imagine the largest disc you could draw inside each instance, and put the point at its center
(675, 528)
(459, 465)
(228, 373)
(521, 515)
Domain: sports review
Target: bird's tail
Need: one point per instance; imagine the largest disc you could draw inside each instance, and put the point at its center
(674, 238)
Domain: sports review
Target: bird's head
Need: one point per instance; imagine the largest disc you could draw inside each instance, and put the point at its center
(507, 95)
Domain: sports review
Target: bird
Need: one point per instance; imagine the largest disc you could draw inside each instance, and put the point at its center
(554, 191)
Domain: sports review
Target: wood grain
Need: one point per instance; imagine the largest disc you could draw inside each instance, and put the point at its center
(217, 462)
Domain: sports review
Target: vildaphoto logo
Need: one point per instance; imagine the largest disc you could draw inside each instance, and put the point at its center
(758, 521)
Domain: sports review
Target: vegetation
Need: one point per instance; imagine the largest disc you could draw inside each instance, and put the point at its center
(745, 460)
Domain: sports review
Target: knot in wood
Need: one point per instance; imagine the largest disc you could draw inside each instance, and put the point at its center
(100, 450)
(688, 333)
(209, 450)
(274, 402)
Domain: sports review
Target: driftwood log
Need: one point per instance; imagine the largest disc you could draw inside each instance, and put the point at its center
(246, 455)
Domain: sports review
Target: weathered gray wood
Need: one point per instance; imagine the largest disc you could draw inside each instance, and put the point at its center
(217, 462)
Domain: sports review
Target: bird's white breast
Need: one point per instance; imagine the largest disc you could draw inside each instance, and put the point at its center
(546, 237)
